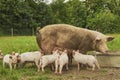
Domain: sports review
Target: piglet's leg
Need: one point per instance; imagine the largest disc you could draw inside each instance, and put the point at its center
(67, 66)
(56, 67)
(78, 66)
(60, 69)
(10, 65)
(93, 67)
(36, 62)
(39, 66)
(43, 68)
(52, 65)
(14, 66)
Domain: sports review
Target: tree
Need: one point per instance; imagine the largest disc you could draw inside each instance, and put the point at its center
(8, 13)
(103, 21)
(24, 15)
(100, 17)
(59, 11)
(76, 11)
(71, 12)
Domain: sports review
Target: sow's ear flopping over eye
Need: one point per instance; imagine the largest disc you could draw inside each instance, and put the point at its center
(97, 39)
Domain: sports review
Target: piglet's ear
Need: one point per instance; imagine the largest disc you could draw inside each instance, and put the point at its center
(73, 52)
(10, 57)
(110, 38)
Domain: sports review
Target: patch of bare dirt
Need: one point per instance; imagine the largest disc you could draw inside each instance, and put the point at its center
(88, 74)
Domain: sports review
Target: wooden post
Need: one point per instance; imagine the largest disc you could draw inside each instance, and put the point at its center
(32, 31)
(12, 33)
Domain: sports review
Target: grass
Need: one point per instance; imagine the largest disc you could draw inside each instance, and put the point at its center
(115, 44)
(28, 43)
(18, 44)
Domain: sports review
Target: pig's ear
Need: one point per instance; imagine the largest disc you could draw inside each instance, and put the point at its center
(98, 39)
(13, 53)
(10, 57)
(73, 52)
(110, 38)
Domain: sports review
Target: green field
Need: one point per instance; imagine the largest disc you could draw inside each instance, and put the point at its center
(28, 43)
(18, 44)
(115, 44)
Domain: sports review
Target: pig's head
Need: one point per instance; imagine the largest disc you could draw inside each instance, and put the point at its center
(100, 43)
(13, 59)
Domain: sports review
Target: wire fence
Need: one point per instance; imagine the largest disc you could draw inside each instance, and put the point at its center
(18, 32)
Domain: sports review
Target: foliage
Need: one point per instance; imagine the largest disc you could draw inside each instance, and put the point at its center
(103, 22)
(76, 11)
(23, 15)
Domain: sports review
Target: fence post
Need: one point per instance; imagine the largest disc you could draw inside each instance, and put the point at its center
(32, 31)
(12, 31)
